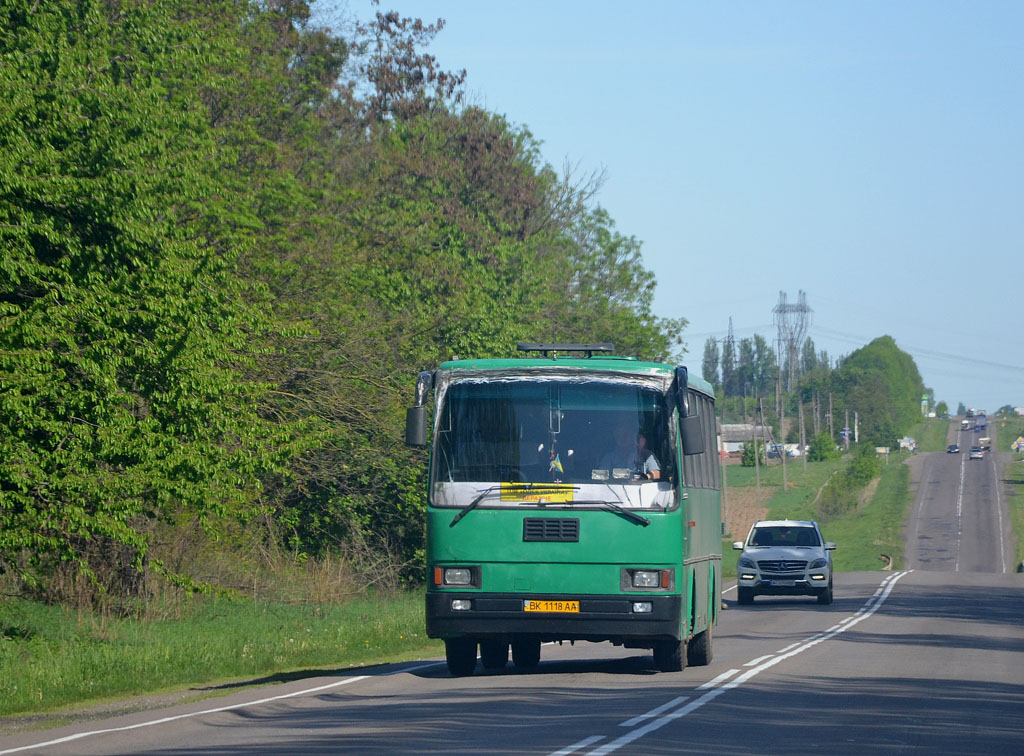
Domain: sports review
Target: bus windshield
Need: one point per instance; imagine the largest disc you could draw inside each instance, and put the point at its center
(597, 437)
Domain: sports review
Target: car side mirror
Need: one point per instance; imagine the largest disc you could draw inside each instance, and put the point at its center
(738, 545)
(829, 546)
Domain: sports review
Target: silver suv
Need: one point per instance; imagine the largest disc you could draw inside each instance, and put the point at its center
(784, 558)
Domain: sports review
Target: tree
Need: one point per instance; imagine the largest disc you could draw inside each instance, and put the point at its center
(823, 448)
(728, 362)
(882, 384)
(709, 365)
(126, 335)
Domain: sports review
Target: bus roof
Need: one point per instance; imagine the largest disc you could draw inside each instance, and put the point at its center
(601, 364)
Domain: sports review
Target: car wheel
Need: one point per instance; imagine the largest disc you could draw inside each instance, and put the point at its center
(670, 656)
(493, 654)
(526, 653)
(825, 594)
(744, 596)
(698, 650)
(460, 654)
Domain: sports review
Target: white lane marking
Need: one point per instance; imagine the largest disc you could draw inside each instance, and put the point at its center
(721, 678)
(728, 589)
(758, 660)
(653, 712)
(577, 746)
(151, 722)
(959, 513)
(709, 696)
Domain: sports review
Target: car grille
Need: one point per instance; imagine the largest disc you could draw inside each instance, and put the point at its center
(781, 566)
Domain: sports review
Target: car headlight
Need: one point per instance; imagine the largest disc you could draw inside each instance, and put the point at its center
(817, 564)
(746, 562)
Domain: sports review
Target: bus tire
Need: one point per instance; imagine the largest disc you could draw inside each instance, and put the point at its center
(526, 653)
(460, 654)
(744, 596)
(698, 650)
(494, 654)
(670, 656)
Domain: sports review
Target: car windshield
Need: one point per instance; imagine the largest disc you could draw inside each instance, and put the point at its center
(784, 535)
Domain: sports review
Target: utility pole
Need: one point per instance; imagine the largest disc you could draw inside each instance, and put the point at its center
(831, 428)
(757, 455)
(782, 438)
(803, 437)
(725, 487)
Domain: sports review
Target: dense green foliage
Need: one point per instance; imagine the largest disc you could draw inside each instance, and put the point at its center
(840, 495)
(883, 384)
(229, 240)
(822, 447)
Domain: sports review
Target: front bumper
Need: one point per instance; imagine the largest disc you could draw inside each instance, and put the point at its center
(600, 618)
(802, 584)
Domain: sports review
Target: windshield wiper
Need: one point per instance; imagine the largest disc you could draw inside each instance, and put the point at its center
(534, 488)
(472, 505)
(611, 506)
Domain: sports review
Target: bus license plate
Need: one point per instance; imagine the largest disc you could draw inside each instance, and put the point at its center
(529, 605)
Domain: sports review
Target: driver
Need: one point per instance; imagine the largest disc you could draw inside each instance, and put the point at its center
(632, 454)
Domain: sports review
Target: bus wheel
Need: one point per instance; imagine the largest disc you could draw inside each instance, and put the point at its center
(493, 654)
(698, 650)
(526, 653)
(670, 656)
(460, 653)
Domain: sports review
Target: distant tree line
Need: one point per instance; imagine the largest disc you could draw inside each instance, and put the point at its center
(229, 239)
(879, 384)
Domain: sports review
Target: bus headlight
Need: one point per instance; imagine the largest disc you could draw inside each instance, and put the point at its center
(461, 605)
(462, 576)
(642, 607)
(646, 579)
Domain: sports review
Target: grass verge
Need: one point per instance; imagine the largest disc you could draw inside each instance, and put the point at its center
(52, 658)
(874, 528)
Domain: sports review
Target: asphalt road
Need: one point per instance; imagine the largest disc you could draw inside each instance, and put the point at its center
(924, 661)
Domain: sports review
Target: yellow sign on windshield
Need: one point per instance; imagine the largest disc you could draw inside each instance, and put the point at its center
(541, 493)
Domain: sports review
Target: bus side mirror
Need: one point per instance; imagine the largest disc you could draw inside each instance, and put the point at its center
(691, 434)
(416, 417)
(416, 426)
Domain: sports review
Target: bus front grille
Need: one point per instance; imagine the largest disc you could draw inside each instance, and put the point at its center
(558, 529)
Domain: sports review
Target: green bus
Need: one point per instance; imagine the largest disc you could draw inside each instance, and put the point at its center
(541, 528)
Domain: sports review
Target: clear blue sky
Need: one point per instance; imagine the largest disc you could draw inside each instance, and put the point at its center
(870, 154)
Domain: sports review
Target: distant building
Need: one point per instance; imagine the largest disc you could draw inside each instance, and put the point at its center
(733, 436)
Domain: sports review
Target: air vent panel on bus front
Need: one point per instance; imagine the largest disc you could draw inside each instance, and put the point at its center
(551, 529)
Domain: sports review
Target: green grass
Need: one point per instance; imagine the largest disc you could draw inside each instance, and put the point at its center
(1014, 475)
(52, 658)
(1008, 430)
(874, 528)
(930, 434)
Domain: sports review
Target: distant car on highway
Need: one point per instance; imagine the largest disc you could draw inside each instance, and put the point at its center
(977, 453)
(953, 449)
(784, 558)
